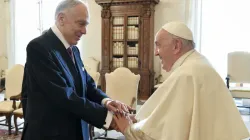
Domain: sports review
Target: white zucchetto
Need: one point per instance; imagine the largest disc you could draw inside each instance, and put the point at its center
(178, 29)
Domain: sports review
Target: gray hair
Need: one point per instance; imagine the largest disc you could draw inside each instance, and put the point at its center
(66, 4)
(185, 42)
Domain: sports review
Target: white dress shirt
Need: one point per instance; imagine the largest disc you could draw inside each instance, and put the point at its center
(66, 44)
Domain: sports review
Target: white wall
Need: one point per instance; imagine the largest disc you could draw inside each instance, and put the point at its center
(90, 44)
(25, 28)
(165, 11)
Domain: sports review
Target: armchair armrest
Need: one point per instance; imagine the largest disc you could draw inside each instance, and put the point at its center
(157, 79)
(131, 105)
(227, 80)
(2, 84)
(2, 89)
(132, 102)
(17, 97)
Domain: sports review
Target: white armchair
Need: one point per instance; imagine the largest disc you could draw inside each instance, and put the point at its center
(92, 67)
(238, 72)
(122, 85)
(91, 64)
(95, 76)
(13, 86)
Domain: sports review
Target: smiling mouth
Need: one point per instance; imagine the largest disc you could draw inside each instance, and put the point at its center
(78, 37)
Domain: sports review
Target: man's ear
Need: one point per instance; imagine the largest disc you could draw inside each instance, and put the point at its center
(178, 46)
(61, 18)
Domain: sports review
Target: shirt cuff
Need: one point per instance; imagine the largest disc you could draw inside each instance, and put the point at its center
(108, 120)
(104, 100)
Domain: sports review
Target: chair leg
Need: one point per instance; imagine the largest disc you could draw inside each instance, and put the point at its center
(9, 123)
(106, 133)
(91, 132)
(6, 120)
(15, 122)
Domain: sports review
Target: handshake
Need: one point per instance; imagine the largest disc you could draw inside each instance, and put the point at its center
(122, 118)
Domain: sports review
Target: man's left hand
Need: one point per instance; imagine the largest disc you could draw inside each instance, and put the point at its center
(117, 106)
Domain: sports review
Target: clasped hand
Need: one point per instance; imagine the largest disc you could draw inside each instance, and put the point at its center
(121, 119)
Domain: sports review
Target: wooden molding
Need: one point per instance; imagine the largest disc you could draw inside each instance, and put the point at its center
(116, 2)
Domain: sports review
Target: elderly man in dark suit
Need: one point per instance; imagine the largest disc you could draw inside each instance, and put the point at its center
(59, 97)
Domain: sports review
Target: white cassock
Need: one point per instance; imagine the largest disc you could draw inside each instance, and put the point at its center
(192, 104)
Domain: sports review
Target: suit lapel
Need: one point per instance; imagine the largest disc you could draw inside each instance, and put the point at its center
(63, 57)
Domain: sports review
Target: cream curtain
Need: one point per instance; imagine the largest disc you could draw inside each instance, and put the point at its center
(193, 19)
(187, 11)
(4, 27)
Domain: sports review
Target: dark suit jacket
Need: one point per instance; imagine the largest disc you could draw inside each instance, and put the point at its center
(58, 94)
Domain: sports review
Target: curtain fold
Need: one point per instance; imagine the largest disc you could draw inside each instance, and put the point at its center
(193, 19)
(5, 27)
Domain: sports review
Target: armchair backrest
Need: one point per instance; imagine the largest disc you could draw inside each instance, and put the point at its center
(13, 81)
(91, 64)
(122, 85)
(92, 67)
(238, 67)
(95, 75)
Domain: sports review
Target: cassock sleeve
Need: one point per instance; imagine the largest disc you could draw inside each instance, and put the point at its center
(171, 115)
(134, 133)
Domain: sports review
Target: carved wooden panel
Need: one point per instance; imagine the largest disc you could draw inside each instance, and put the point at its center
(128, 26)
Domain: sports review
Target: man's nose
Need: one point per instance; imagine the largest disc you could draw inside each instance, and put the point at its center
(156, 52)
(84, 30)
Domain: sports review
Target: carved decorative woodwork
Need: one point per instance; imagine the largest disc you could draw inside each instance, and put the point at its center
(142, 32)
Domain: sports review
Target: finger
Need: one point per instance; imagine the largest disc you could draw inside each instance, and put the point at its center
(112, 108)
(130, 108)
(121, 109)
(115, 118)
(117, 115)
(123, 114)
(116, 105)
(125, 108)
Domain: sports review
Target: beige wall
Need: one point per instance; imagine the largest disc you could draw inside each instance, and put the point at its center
(166, 10)
(3, 38)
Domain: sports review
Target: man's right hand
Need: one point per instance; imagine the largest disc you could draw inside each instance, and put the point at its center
(122, 122)
(113, 125)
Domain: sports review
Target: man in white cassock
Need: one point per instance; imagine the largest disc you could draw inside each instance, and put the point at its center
(193, 103)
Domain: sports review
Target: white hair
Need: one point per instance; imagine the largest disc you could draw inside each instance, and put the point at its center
(67, 4)
(185, 42)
